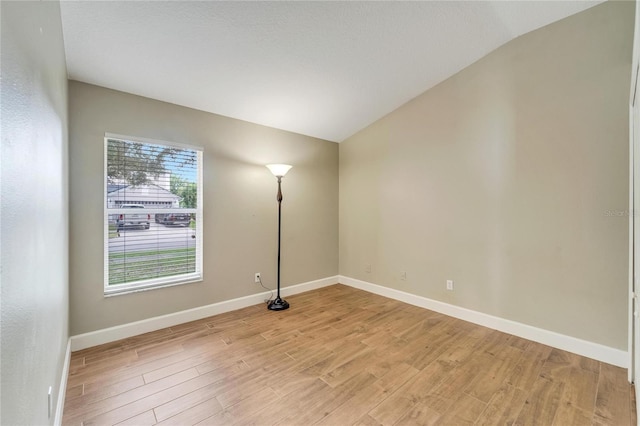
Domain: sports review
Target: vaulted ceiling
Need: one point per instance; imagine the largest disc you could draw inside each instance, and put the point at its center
(323, 69)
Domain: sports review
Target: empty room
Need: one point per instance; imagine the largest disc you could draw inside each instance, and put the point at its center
(329, 212)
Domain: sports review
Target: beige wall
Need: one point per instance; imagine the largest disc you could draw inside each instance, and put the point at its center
(240, 208)
(503, 178)
(34, 210)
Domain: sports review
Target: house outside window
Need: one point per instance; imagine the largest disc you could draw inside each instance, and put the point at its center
(152, 214)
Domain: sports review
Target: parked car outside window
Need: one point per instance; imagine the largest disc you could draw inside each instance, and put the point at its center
(173, 218)
(138, 220)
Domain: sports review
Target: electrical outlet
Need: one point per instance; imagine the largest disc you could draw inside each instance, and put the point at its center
(403, 276)
(450, 285)
(367, 269)
(257, 278)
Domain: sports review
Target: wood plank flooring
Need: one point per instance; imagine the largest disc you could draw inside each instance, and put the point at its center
(340, 356)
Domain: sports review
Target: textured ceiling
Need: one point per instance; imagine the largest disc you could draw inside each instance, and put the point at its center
(324, 69)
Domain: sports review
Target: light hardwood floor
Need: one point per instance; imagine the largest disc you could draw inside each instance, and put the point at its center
(340, 356)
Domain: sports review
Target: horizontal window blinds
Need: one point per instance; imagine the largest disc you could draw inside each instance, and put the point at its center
(153, 212)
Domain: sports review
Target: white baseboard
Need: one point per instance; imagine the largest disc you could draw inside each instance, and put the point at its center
(592, 350)
(62, 391)
(112, 334)
(596, 351)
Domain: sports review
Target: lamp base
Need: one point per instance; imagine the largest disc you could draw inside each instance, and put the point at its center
(278, 304)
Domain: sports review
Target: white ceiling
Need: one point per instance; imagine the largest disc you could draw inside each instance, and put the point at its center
(323, 69)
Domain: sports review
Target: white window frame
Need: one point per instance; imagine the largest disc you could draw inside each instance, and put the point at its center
(197, 276)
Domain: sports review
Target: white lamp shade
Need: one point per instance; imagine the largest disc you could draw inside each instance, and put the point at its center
(279, 169)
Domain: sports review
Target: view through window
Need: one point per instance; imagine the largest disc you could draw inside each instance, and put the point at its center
(153, 213)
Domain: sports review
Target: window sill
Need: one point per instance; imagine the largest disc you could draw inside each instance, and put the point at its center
(111, 292)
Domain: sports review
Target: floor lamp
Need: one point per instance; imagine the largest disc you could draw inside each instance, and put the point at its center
(279, 170)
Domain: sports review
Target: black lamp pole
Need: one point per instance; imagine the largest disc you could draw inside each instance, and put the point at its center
(279, 304)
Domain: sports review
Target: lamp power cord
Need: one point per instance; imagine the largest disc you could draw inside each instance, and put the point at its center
(266, 288)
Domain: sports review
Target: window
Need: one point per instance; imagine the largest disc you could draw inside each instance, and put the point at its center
(152, 214)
